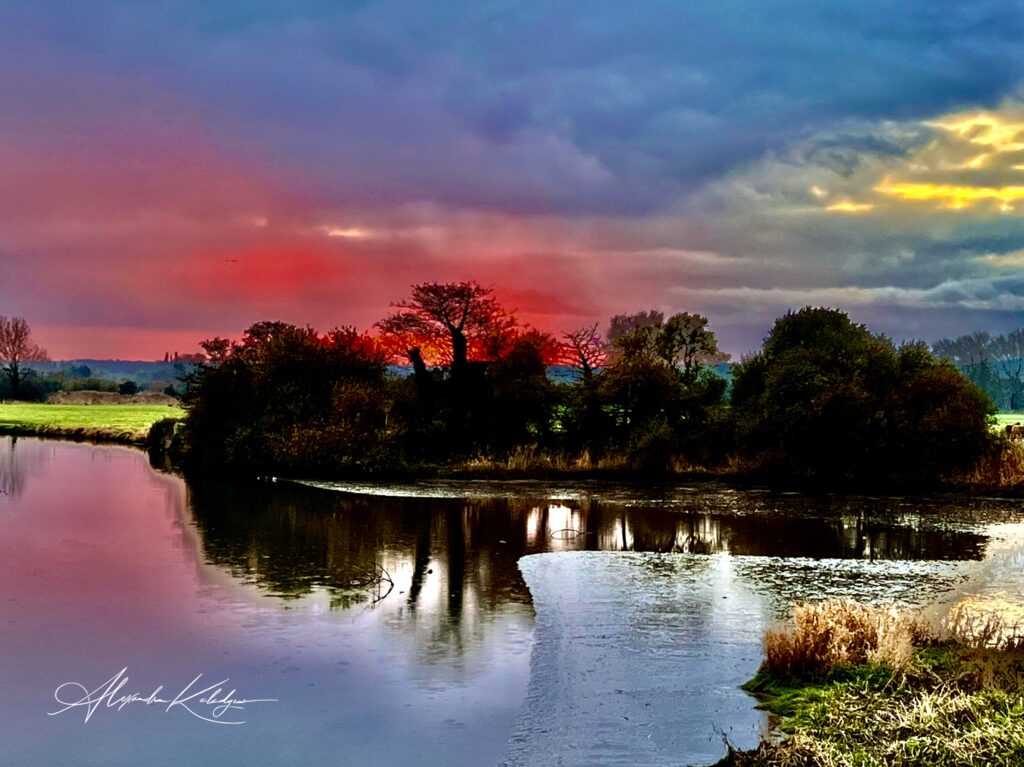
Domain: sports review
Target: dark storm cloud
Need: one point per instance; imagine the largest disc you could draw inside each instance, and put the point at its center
(544, 106)
(724, 157)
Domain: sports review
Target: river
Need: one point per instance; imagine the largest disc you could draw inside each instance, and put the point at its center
(458, 623)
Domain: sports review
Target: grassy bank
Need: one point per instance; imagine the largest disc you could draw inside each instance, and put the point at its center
(127, 424)
(856, 686)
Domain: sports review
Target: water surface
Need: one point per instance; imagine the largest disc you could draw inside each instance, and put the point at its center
(394, 624)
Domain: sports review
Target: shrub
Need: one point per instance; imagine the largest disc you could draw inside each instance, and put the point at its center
(828, 402)
(838, 633)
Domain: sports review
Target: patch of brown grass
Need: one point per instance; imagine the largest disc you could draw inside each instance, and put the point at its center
(836, 633)
(1001, 469)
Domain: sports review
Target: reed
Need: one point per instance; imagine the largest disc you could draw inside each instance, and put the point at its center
(863, 686)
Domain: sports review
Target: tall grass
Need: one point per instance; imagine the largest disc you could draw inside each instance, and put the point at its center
(863, 686)
(837, 633)
(1001, 469)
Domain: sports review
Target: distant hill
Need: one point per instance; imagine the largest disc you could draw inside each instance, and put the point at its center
(140, 371)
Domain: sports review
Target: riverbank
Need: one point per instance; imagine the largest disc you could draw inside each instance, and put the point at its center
(851, 685)
(999, 474)
(127, 424)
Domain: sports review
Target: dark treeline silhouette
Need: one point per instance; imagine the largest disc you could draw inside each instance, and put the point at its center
(824, 401)
(827, 400)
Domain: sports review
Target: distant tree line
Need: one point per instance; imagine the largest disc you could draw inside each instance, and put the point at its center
(823, 401)
(994, 363)
(17, 353)
(27, 374)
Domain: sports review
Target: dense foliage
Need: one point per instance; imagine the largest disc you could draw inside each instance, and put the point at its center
(828, 401)
(286, 397)
(824, 400)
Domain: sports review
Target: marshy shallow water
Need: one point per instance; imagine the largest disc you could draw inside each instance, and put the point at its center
(438, 623)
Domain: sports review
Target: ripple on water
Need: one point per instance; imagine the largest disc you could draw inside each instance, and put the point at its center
(638, 658)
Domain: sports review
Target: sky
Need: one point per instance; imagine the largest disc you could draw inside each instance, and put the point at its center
(171, 171)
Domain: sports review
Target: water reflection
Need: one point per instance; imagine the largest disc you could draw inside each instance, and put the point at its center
(107, 563)
(19, 461)
(457, 557)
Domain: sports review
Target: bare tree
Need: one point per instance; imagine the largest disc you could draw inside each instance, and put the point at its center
(966, 351)
(585, 350)
(1008, 352)
(17, 349)
(973, 355)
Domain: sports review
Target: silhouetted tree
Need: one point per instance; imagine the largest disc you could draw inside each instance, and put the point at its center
(685, 342)
(287, 396)
(653, 389)
(585, 351)
(828, 401)
(446, 322)
(17, 349)
(522, 395)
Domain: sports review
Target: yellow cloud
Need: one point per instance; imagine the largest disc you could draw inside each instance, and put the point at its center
(1004, 260)
(350, 233)
(847, 206)
(952, 196)
(996, 134)
(972, 161)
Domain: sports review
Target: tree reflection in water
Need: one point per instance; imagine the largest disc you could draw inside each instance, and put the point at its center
(20, 460)
(457, 557)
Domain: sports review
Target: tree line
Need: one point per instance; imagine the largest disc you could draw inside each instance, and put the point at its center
(824, 400)
(994, 363)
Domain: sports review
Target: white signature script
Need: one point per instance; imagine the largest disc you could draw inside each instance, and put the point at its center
(212, 703)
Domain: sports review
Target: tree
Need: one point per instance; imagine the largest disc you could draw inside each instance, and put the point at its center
(286, 396)
(16, 350)
(685, 342)
(825, 400)
(971, 353)
(521, 394)
(448, 322)
(585, 351)
(1008, 353)
(655, 400)
(632, 336)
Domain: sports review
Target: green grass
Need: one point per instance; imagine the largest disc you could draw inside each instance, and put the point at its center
(851, 685)
(960, 708)
(122, 423)
(1005, 419)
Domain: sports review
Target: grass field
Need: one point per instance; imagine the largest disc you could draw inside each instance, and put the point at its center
(121, 423)
(1004, 419)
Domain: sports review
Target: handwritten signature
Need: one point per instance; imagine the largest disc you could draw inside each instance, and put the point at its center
(212, 703)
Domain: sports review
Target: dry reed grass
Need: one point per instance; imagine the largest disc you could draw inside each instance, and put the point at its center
(1002, 469)
(837, 633)
(954, 697)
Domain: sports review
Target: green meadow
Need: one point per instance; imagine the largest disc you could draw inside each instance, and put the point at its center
(1005, 419)
(122, 423)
